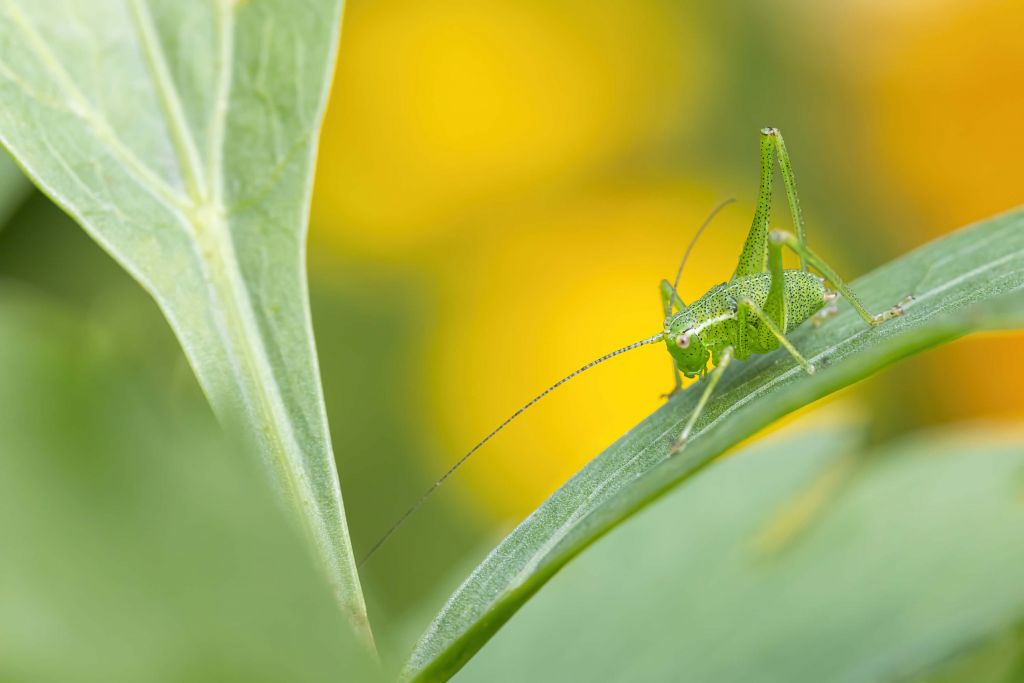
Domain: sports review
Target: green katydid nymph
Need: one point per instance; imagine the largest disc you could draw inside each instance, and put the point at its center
(750, 314)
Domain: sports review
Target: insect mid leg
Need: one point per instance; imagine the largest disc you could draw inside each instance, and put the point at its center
(678, 386)
(781, 237)
(670, 298)
(752, 306)
(716, 375)
(774, 309)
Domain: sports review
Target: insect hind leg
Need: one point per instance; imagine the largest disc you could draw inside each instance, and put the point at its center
(783, 238)
(789, 182)
(754, 256)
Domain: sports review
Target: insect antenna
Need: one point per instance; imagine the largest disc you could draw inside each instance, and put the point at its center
(689, 247)
(458, 463)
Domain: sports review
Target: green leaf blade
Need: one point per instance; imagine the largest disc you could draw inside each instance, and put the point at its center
(800, 559)
(182, 136)
(969, 281)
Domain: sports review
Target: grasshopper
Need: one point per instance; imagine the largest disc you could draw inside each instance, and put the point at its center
(751, 313)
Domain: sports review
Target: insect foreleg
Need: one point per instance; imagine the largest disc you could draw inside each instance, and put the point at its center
(752, 306)
(781, 237)
(716, 375)
(670, 298)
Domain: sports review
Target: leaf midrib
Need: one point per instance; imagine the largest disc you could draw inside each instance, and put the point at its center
(206, 217)
(189, 164)
(147, 178)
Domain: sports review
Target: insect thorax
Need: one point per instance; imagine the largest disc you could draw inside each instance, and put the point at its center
(805, 294)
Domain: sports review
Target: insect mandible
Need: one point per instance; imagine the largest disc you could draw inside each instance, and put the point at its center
(750, 314)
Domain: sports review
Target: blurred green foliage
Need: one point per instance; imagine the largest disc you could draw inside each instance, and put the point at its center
(48, 262)
(14, 188)
(138, 543)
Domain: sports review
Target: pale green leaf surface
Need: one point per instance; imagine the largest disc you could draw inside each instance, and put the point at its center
(911, 555)
(182, 136)
(968, 281)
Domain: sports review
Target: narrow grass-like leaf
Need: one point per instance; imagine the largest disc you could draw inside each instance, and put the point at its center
(794, 561)
(182, 136)
(968, 281)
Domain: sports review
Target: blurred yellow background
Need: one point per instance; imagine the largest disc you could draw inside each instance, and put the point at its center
(501, 185)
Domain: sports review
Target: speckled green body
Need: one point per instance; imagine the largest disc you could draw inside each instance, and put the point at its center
(712, 321)
(805, 295)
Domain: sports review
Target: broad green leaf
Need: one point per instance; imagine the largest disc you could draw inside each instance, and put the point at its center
(182, 136)
(139, 544)
(788, 563)
(968, 281)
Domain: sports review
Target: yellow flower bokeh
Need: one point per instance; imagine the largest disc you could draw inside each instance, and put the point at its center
(939, 87)
(522, 165)
(443, 111)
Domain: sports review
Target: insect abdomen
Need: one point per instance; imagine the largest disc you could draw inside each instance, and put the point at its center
(805, 295)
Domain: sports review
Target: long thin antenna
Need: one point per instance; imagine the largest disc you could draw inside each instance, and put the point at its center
(474, 449)
(706, 223)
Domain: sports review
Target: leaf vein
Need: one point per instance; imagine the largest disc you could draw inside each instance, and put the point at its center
(170, 101)
(84, 110)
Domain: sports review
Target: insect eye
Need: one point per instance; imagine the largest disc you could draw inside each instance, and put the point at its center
(683, 340)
